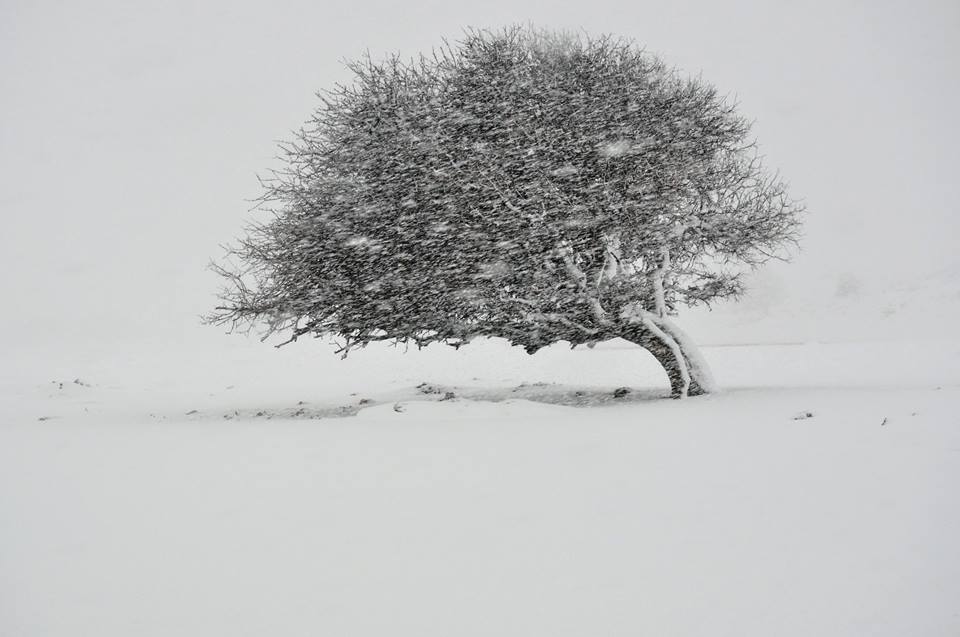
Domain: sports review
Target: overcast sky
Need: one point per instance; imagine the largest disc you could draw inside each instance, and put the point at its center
(132, 132)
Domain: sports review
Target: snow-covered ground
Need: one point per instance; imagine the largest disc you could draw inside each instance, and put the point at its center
(231, 489)
(158, 478)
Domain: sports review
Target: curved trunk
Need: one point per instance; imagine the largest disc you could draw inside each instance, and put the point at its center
(687, 371)
(700, 373)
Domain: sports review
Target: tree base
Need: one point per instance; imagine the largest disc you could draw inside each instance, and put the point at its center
(685, 369)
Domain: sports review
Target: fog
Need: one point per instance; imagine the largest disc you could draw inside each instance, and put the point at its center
(132, 135)
(158, 477)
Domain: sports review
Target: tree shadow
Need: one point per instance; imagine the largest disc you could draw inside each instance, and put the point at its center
(546, 393)
(568, 395)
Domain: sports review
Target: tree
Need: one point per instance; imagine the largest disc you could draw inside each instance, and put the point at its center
(521, 184)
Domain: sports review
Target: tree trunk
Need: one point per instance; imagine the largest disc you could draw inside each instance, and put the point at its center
(686, 370)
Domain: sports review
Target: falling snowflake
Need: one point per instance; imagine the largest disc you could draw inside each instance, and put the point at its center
(615, 149)
(567, 170)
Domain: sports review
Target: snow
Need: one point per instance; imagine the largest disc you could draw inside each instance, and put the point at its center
(159, 478)
(698, 367)
(615, 149)
(567, 170)
(154, 500)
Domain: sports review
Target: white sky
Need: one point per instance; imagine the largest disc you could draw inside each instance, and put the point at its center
(131, 133)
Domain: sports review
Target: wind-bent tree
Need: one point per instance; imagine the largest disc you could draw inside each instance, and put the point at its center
(520, 184)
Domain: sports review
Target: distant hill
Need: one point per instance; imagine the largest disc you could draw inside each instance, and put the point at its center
(843, 307)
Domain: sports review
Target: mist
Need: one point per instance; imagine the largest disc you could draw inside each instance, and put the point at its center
(133, 135)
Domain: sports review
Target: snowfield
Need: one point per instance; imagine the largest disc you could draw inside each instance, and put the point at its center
(249, 491)
(161, 479)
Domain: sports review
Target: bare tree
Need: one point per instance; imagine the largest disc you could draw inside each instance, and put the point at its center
(520, 184)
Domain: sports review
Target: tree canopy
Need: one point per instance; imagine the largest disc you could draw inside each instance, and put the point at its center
(519, 184)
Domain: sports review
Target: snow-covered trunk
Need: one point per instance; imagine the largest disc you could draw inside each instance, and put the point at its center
(701, 378)
(686, 368)
(612, 263)
(668, 355)
(657, 280)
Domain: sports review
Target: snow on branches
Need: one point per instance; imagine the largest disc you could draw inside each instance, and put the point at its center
(518, 184)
